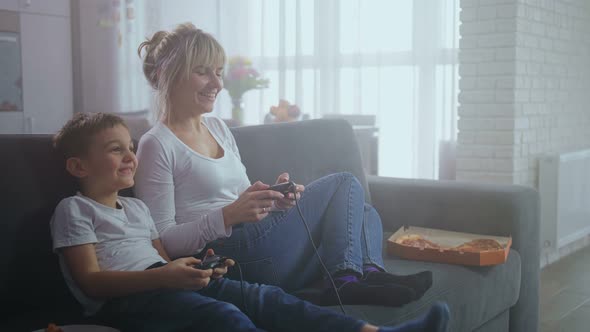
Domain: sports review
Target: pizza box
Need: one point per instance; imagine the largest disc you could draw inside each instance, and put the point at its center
(448, 240)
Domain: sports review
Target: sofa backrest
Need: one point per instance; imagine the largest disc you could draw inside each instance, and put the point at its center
(306, 149)
(33, 181)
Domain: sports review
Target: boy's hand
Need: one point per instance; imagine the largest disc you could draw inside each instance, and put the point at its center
(180, 273)
(219, 272)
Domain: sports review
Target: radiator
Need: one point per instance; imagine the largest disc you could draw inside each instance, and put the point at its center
(564, 187)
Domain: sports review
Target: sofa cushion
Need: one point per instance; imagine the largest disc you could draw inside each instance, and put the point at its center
(475, 294)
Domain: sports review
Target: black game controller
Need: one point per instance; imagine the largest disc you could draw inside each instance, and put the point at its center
(284, 188)
(211, 262)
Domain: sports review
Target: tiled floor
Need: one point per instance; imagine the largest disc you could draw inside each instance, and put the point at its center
(565, 294)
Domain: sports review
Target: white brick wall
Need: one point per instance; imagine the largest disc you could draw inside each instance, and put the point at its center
(558, 76)
(525, 86)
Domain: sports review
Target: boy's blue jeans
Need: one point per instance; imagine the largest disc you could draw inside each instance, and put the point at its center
(218, 307)
(277, 250)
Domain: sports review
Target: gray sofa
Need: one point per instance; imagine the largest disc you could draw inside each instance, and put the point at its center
(499, 298)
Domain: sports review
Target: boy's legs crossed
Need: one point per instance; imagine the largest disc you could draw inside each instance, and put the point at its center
(173, 310)
(272, 309)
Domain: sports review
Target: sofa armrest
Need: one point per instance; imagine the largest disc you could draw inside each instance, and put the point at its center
(475, 208)
(459, 206)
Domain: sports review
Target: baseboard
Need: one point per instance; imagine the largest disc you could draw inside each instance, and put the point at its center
(551, 256)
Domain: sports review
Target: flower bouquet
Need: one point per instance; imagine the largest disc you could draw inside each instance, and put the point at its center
(239, 78)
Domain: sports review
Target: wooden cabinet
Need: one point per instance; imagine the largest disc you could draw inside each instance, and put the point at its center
(11, 5)
(44, 30)
(12, 123)
(45, 7)
(47, 71)
(11, 101)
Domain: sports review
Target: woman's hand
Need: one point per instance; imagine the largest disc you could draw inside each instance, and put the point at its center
(252, 205)
(289, 201)
(180, 273)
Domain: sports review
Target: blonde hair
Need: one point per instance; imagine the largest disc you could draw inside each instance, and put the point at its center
(171, 56)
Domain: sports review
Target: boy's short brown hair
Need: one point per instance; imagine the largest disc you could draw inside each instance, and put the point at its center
(74, 138)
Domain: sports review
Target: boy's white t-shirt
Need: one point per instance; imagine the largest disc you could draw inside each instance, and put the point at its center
(185, 190)
(122, 237)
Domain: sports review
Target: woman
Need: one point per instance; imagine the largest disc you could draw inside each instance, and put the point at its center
(192, 179)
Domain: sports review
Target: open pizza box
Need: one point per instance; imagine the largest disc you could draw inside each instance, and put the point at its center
(448, 247)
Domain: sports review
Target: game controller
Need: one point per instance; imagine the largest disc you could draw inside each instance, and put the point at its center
(211, 262)
(284, 188)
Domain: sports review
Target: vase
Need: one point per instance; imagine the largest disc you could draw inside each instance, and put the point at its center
(237, 111)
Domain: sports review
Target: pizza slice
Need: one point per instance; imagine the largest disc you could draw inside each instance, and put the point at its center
(479, 245)
(418, 241)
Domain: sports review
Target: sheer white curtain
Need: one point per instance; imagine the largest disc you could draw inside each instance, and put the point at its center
(396, 60)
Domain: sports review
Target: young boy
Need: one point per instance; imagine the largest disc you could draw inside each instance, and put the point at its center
(117, 268)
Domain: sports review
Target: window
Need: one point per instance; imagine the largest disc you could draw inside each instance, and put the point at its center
(393, 59)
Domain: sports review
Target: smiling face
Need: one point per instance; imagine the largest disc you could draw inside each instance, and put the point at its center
(185, 67)
(198, 92)
(110, 162)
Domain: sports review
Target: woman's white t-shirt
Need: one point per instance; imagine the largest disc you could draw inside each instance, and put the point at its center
(186, 191)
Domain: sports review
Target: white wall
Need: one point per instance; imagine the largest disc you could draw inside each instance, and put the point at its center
(554, 80)
(525, 86)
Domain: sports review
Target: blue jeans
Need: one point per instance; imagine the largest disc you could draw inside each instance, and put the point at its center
(277, 250)
(219, 307)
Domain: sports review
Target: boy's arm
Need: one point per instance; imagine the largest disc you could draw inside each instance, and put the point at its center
(160, 248)
(83, 265)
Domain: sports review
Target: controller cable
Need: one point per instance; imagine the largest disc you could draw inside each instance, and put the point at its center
(241, 284)
(315, 248)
